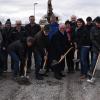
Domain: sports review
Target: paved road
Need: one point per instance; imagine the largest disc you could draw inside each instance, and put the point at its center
(70, 88)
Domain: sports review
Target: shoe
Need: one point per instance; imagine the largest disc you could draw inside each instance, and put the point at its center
(58, 77)
(38, 77)
(15, 77)
(62, 75)
(45, 75)
(69, 72)
(82, 77)
(77, 69)
(5, 70)
(92, 80)
(29, 70)
(1, 77)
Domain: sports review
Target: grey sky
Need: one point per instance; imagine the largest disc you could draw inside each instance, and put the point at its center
(22, 9)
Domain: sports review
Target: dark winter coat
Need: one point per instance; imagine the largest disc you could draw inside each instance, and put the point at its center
(15, 35)
(19, 47)
(32, 31)
(59, 44)
(54, 27)
(6, 34)
(82, 37)
(95, 38)
(41, 42)
(73, 28)
(89, 27)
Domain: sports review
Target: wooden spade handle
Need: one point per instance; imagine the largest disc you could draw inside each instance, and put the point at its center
(65, 54)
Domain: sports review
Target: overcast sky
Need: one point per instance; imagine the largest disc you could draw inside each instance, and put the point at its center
(22, 9)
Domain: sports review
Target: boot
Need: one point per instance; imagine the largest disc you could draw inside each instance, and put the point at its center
(39, 77)
(57, 76)
(62, 75)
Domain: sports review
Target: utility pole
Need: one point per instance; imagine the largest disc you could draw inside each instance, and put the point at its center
(34, 7)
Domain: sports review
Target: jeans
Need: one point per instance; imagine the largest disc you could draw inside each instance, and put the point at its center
(5, 60)
(94, 60)
(84, 58)
(29, 61)
(38, 61)
(16, 60)
(1, 63)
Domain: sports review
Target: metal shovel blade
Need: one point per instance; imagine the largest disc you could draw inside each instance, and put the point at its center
(54, 62)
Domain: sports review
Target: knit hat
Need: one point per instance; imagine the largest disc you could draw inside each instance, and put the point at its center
(97, 20)
(8, 21)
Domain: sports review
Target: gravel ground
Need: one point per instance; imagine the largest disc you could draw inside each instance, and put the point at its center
(70, 88)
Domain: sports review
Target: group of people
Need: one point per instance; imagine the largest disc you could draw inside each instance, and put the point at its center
(49, 44)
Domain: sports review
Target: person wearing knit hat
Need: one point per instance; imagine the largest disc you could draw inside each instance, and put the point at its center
(41, 44)
(6, 33)
(8, 22)
(95, 38)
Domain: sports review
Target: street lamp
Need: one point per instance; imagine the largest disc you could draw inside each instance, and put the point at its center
(34, 8)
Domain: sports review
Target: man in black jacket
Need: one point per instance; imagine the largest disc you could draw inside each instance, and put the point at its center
(89, 25)
(18, 52)
(41, 44)
(32, 29)
(6, 34)
(95, 38)
(60, 45)
(18, 32)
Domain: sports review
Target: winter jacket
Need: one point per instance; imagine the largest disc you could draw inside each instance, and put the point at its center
(59, 44)
(73, 25)
(6, 34)
(15, 35)
(41, 42)
(95, 38)
(32, 31)
(73, 28)
(82, 37)
(54, 27)
(89, 27)
(19, 47)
